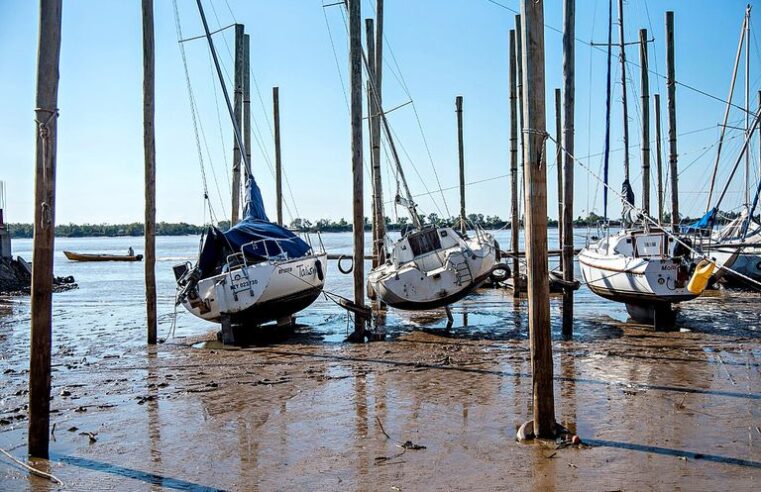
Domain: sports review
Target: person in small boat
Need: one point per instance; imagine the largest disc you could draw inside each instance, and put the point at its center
(130, 251)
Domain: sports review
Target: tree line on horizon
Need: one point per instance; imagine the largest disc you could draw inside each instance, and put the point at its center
(301, 225)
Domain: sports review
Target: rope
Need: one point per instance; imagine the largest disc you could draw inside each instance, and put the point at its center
(46, 214)
(33, 470)
(649, 219)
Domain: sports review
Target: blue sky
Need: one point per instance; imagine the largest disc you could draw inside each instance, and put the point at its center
(443, 48)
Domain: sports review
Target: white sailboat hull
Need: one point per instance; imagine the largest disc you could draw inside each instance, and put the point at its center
(437, 278)
(633, 280)
(259, 293)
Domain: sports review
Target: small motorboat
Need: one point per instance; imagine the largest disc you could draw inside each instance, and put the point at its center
(72, 256)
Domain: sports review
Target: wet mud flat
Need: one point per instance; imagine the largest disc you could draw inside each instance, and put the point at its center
(428, 409)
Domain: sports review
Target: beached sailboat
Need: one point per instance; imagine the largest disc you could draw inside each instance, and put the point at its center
(643, 266)
(429, 266)
(257, 271)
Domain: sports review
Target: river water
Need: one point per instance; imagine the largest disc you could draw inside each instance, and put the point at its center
(110, 299)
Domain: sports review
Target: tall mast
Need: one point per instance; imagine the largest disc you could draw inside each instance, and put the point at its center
(623, 87)
(747, 101)
(606, 151)
(236, 126)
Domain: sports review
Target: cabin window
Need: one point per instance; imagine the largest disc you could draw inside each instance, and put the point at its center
(424, 242)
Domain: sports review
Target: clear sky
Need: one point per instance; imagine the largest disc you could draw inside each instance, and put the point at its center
(443, 48)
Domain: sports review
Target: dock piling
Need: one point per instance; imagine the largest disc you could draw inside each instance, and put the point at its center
(515, 217)
(534, 156)
(569, 94)
(278, 157)
(658, 154)
(149, 146)
(46, 114)
(238, 109)
(645, 83)
(671, 85)
(461, 160)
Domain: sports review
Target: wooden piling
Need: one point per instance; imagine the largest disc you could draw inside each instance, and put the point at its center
(534, 156)
(645, 84)
(373, 124)
(355, 77)
(149, 147)
(658, 154)
(46, 113)
(515, 222)
(521, 126)
(569, 94)
(558, 163)
(671, 85)
(238, 110)
(247, 100)
(376, 136)
(278, 159)
(461, 160)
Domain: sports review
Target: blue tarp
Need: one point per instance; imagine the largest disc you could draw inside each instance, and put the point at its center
(255, 226)
(703, 224)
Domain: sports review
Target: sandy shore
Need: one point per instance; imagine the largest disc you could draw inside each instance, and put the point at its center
(659, 411)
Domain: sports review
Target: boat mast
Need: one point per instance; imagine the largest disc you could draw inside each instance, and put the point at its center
(726, 112)
(747, 101)
(606, 151)
(236, 127)
(622, 59)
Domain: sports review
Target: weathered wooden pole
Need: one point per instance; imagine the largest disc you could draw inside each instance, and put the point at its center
(278, 158)
(534, 156)
(376, 134)
(373, 124)
(645, 83)
(558, 163)
(569, 94)
(521, 126)
(747, 102)
(355, 78)
(622, 59)
(671, 85)
(247, 100)
(46, 114)
(515, 224)
(461, 160)
(659, 154)
(238, 110)
(149, 146)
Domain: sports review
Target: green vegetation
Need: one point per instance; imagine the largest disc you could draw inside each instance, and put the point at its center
(303, 225)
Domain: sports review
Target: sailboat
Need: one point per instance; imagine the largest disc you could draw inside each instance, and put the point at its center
(429, 266)
(257, 271)
(642, 266)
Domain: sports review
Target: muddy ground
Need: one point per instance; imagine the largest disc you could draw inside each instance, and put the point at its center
(658, 411)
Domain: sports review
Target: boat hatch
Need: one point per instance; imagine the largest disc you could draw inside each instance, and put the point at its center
(424, 242)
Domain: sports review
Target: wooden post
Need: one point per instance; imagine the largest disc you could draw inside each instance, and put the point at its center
(461, 155)
(247, 101)
(747, 103)
(645, 83)
(515, 222)
(149, 145)
(622, 59)
(534, 156)
(46, 115)
(671, 85)
(238, 109)
(521, 136)
(569, 93)
(355, 77)
(278, 159)
(376, 134)
(373, 123)
(558, 157)
(659, 154)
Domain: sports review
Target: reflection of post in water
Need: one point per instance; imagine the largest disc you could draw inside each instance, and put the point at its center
(360, 406)
(568, 388)
(152, 408)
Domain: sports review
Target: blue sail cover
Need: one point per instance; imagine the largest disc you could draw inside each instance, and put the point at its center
(702, 225)
(270, 240)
